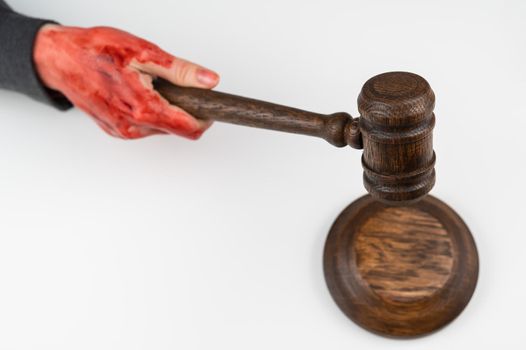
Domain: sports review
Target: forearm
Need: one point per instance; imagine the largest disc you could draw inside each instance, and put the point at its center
(17, 70)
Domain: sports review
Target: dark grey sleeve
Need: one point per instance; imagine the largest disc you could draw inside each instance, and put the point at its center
(3, 5)
(17, 69)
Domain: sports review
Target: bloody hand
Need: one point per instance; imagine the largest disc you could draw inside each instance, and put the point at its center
(108, 73)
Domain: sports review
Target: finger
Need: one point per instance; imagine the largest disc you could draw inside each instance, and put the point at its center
(107, 129)
(94, 115)
(140, 131)
(160, 115)
(182, 73)
(174, 120)
(160, 109)
(157, 113)
(128, 131)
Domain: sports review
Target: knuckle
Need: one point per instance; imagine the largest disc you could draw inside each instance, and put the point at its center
(183, 72)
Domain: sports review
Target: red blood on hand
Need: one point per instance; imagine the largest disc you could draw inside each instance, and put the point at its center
(108, 73)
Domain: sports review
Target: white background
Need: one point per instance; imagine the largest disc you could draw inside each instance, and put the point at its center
(166, 243)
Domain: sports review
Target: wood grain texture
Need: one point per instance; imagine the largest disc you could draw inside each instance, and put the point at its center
(404, 254)
(395, 128)
(400, 271)
(339, 129)
(397, 124)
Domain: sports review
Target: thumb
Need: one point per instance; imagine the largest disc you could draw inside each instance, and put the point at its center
(182, 73)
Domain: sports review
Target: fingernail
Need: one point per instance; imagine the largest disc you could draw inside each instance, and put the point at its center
(207, 77)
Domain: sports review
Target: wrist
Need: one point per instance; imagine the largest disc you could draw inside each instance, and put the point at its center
(43, 54)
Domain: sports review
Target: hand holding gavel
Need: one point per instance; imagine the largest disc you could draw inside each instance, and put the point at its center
(108, 73)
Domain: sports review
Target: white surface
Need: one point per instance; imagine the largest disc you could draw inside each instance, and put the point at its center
(165, 243)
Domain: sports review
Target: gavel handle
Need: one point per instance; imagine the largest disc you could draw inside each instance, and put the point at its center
(339, 129)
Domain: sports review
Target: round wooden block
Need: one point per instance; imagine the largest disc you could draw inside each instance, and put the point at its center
(400, 271)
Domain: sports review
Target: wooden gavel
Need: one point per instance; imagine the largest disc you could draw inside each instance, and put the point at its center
(398, 262)
(395, 128)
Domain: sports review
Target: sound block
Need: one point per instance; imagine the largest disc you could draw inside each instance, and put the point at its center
(400, 271)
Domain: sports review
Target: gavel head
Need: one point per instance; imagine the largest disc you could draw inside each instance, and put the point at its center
(396, 124)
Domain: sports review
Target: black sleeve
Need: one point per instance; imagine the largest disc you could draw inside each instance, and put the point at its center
(3, 5)
(17, 69)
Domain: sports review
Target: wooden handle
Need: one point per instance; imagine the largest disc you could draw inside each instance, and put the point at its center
(395, 128)
(339, 129)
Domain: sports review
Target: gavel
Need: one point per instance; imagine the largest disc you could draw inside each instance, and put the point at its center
(394, 129)
(398, 262)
